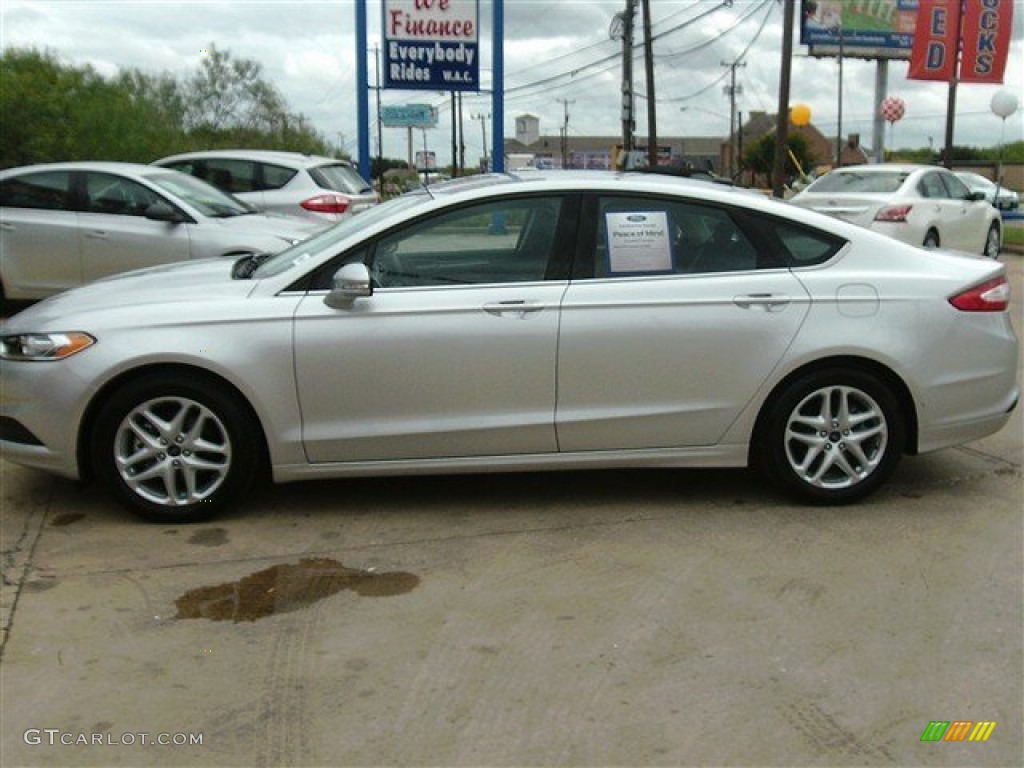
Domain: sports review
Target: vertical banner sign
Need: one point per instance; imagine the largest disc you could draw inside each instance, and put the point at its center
(933, 54)
(431, 45)
(986, 40)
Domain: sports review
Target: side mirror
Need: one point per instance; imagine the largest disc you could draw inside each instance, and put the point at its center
(351, 282)
(975, 197)
(161, 211)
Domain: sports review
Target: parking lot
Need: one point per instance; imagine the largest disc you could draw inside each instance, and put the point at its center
(608, 618)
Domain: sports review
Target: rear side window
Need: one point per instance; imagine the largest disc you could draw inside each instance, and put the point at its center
(340, 178)
(650, 236)
(48, 190)
(276, 176)
(805, 247)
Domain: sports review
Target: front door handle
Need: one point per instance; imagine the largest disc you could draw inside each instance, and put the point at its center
(515, 308)
(769, 302)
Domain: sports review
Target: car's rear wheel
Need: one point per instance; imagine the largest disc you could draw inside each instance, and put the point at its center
(174, 448)
(833, 436)
(992, 242)
(931, 239)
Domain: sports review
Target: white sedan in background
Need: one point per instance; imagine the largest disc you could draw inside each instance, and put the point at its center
(65, 224)
(1003, 198)
(918, 204)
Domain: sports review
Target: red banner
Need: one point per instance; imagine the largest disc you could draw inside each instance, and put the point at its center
(933, 56)
(986, 40)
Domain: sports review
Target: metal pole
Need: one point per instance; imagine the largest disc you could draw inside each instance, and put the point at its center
(498, 91)
(362, 91)
(782, 119)
(652, 110)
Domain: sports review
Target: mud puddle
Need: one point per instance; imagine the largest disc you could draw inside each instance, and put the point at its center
(286, 588)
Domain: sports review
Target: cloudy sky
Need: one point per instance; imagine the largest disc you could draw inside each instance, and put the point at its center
(558, 56)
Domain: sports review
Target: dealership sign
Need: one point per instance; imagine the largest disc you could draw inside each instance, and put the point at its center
(431, 45)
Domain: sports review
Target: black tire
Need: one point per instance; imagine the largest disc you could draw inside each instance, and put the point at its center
(833, 436)
(991, 248)
(175, 448)
(931, 239)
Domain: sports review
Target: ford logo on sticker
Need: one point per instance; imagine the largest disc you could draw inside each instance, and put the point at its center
(636, 217)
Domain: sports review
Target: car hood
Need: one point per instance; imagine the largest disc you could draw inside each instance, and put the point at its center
(170, 284)
(288, 228)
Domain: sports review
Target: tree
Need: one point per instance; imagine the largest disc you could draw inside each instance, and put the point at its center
(760, 156)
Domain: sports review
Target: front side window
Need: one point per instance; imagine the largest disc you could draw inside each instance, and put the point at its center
(106, 193)
(507, 241)
(931, 186)
(48, 190)
(956, 188)
(651, 236)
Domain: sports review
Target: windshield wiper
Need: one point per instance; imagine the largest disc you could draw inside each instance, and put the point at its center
(244, 267)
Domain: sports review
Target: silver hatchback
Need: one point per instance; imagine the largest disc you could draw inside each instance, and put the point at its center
(64, 224)
(311, 186)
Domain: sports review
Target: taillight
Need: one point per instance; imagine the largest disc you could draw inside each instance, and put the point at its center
(990, 296)
(326, 204)
(893, 213)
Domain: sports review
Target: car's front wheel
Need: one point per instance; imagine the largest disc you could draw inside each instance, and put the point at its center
(833, 436)
(174, 448)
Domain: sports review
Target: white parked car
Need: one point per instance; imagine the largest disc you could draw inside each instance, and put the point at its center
(322, 188)
(575, 321)
(918, 204)
(1003, 198)
(65, 224)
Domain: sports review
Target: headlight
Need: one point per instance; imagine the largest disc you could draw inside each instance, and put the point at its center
(44, 346)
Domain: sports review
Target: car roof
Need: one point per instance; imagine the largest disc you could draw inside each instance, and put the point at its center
(103, 166)
(278, 157)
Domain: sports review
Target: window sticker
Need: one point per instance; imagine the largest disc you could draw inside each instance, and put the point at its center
(638, 242)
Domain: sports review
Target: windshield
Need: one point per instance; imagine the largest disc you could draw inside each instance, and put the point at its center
(206, 199)
(878, 182)
(297, 254)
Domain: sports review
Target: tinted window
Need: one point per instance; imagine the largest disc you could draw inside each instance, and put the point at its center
(106, 193)
(340, 178)
(276, 176)
(955, 187)
(208, 200)
(638, 236)
(507, 241)
(931, 186)
(48, 190)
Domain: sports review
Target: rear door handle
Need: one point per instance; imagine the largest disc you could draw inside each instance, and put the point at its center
(769, 302)
(515, 308)
(96, 234)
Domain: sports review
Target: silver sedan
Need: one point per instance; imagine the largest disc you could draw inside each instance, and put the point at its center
(501, 324)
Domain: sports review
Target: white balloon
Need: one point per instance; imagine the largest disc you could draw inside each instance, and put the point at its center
(1004, 103)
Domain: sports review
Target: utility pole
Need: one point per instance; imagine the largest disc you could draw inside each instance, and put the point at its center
(782, 118)
(731, 91)
(565, 131)
(483, 133)
(652, 110)
(627, 76)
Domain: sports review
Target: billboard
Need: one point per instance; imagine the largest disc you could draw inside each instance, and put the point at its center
(431, 45)
(874, 29)
(408, 116)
